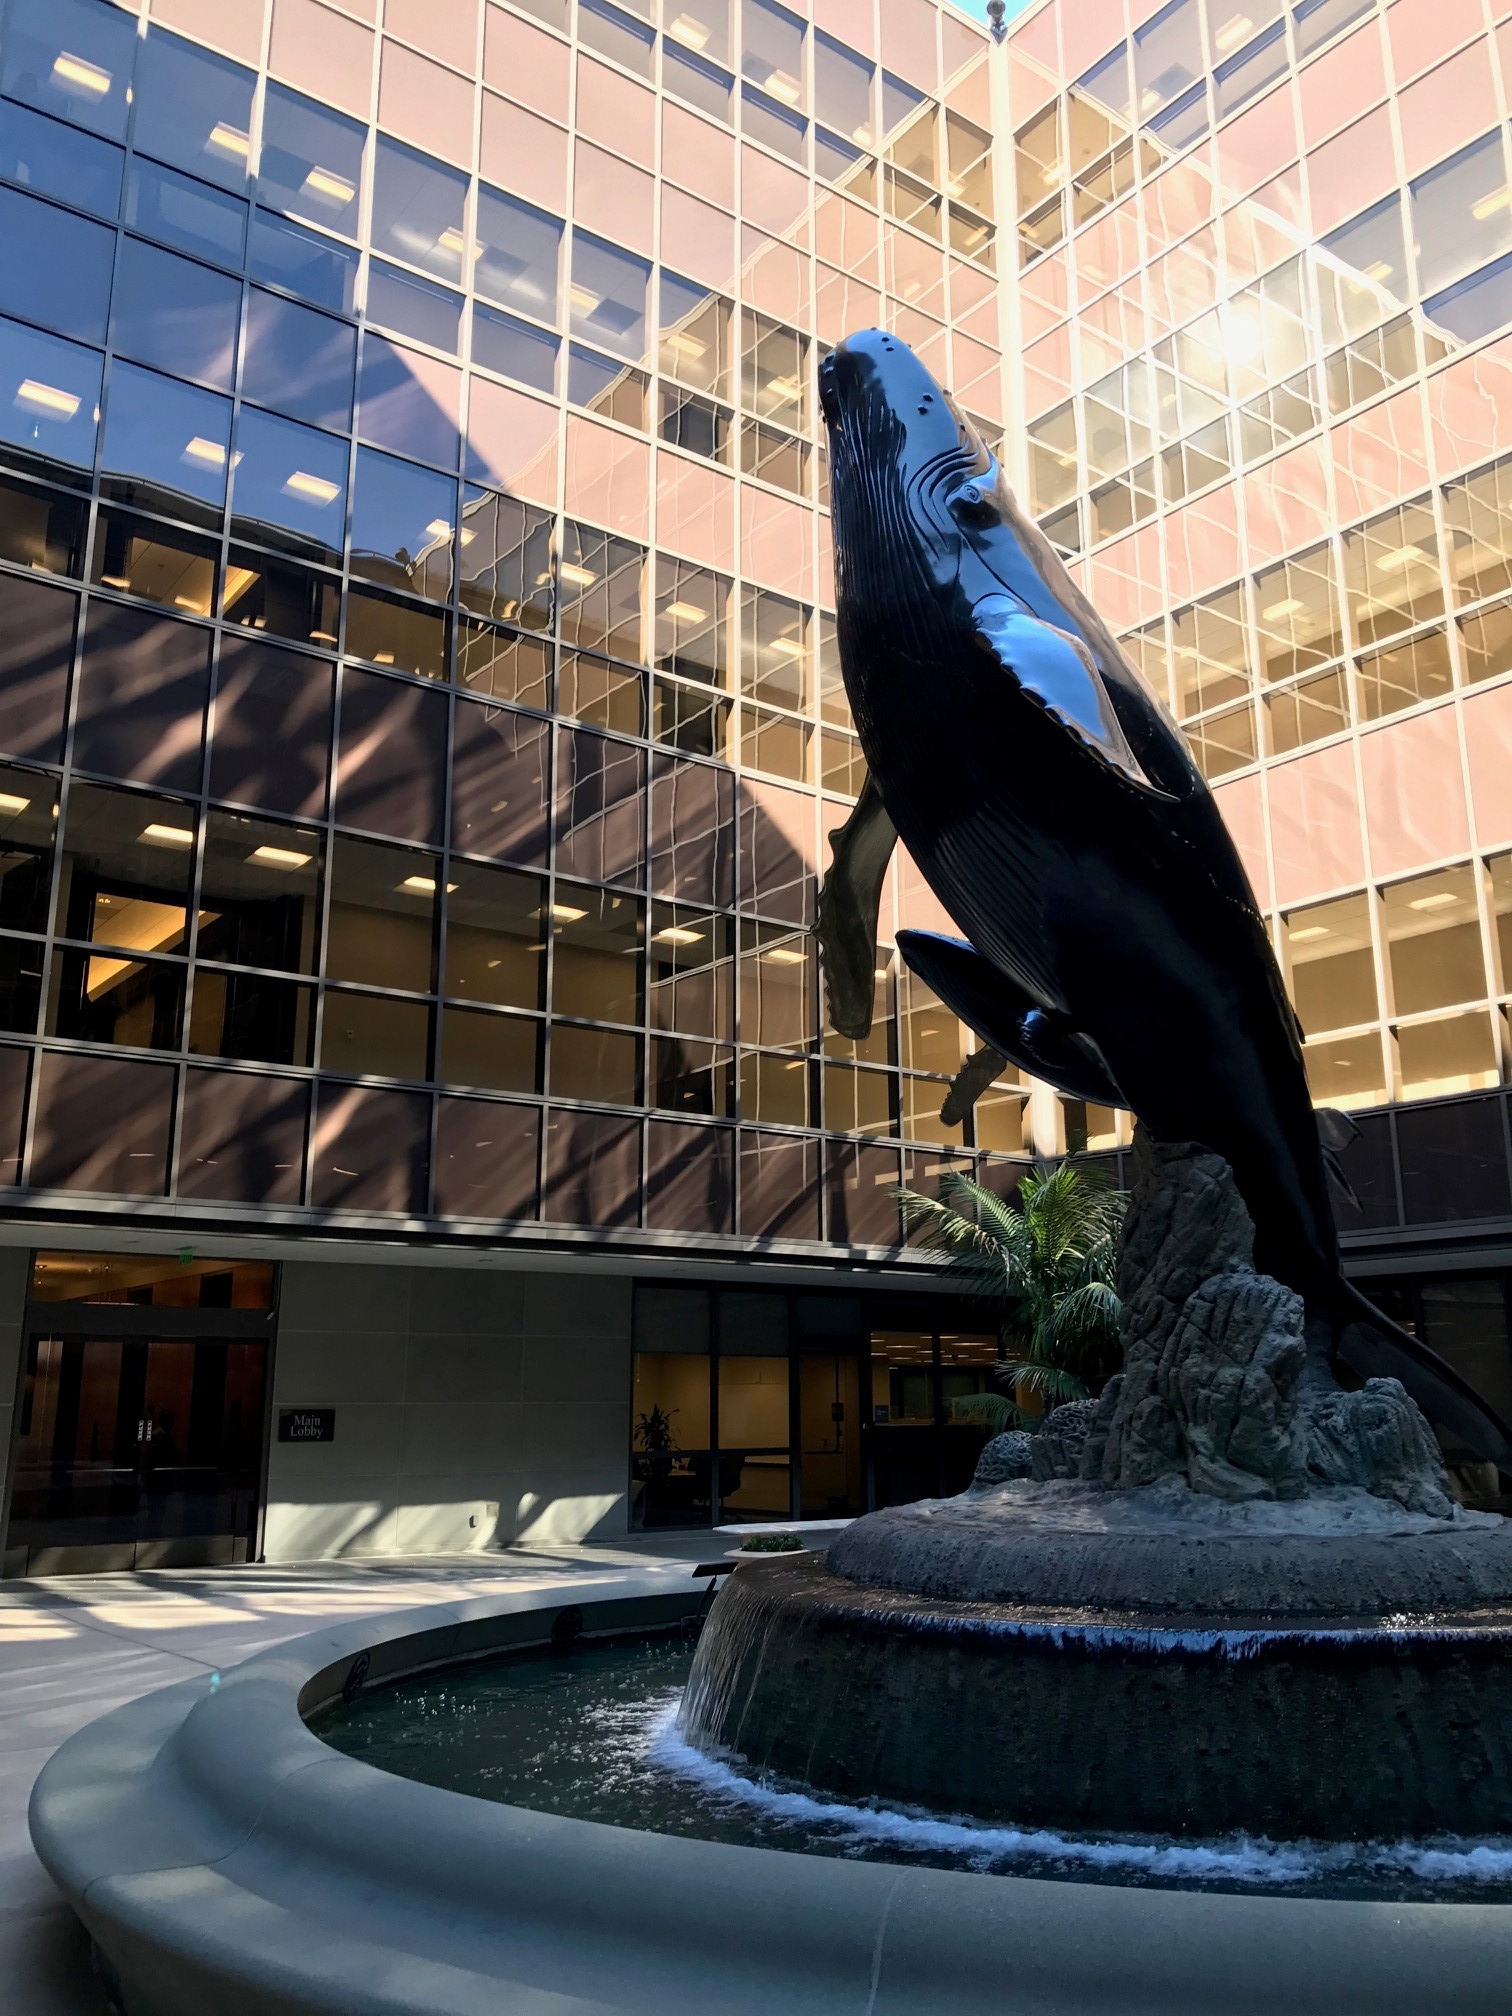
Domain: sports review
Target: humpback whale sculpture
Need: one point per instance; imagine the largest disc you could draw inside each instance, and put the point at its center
(1112, 944)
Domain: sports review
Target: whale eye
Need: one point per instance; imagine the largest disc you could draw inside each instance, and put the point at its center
(973, 499)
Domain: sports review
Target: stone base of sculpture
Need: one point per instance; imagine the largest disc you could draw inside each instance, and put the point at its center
(1226, 1594)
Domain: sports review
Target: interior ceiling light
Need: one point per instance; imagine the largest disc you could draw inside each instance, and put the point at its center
(1400, 557)
(1274, 611)
(788, 89)
(422, 885)
(1232, 33)
(686, 612)
(168, 836)
(50, 399)
(279, 857)
(1440, 899)
(74, 74)
(230, 140)
(326, 182)
(782, 955)
(1497, 199)
(11, 804)
(210, 453)
(314, 489)
(1305, 933)
(786, 647)
(786, 388)
(676, 934)
(439, 528)
(580, 577)
(686, 345)
(692, 34)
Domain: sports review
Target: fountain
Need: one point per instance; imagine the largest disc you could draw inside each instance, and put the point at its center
(1224, 1628)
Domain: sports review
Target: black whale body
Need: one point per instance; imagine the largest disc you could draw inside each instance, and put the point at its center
(1115, 947)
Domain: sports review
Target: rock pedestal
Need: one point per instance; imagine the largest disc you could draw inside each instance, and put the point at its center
(1226, 1594)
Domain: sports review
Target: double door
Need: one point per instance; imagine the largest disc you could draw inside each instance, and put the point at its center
(136, 1450)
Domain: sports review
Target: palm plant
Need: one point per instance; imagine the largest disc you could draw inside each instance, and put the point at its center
(1047, 1261)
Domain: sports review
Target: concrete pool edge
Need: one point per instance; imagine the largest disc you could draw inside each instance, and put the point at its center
(222, 1857)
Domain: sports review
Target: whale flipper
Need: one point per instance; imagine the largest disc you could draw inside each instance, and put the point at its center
(1377, 1348)
(849, 901)
(979, 1071)
(1059, 671)
(1039, 1040)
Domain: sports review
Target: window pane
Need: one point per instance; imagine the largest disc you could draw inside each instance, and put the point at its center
(305, 263)
(688, 1077)
(506, 561)
(1486, 642)
(413, 307)
(774, 379)
(519, 251)
(49, 396)
(691, 972)
(367, 1033)
(298, 361)
(137, 1003)
(1167, 56)
(28, 819)
(495, 945)
(251, 1017)
(495, 1053)
(1400, 677)
(772, 52)
(844, 84)
(1297, 614)
(606, 387)
(284, 600)
(692, 621)
(193, 109)
(514, 349)
(1472, 308)
(402, 524)
(604, 28)
(176, 314)
(187, 213)
(289, 486)
(700, 25)
(699, 83)
(1460, 213)
(1330, 969)
(417, 210)
(1478, 514)
(1249, 73)
(1362, 272)
(609, 297)
(595, 1064)
(389, 631)
(57, 266)
(695, 336)
(140, 557)
(259, 894)
(124, 870)
(775, 650)
(503, 665)
(601, 592)
(71, 58)
(596, 954)
(383, 902)
(776, 991)
(41, 530)
(165, 443)
(1306, 712)
(1456, 1054)
(1434, 941)
(1346, 1070)
(1391, 572)
(58, 160)
(311, 160)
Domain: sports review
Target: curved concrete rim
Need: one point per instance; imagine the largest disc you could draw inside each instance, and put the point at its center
(223, 1858)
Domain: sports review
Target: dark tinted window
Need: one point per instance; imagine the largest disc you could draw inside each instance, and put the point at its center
(259, 902)
(381, 926)
(143, 684)
(36, 653)
(305, 263)
(193, 109)
(272, 744)
(391, 757)
(371, 1150)
(299, 361)
(242, 1137)
(56, 269)
(600, 807)
(289, 485)
(311, 160)
(487, 1154)
(71, 58)
(102, 1124)
(500, 783)
(58, 160)
(28, 821)
(187, 213)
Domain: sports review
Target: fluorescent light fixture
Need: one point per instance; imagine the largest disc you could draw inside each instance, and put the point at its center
(326, 182)
(210, 453)
(1498, 199)
(49, 399)
(1400, 557)
(1439, 900)
(10, 804)
(692, 34)
(451, 240)
(782, 955)
(786, 647)
(72, 73)
(785, 388)
(580, 577)
(1274, 611)
(439, 528)
(674, 934)
(169, 836)
(230, 140)
(1379, 270)
(567, 913)
(686, 612)
(862, 135)
(1307, 932)
(279, 857)
(583, 299)
(788, 89)
(1232, 33)
(422, 885)
(686, 345)
(312, 489)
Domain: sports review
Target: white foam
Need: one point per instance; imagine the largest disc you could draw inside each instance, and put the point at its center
(1236, 1858)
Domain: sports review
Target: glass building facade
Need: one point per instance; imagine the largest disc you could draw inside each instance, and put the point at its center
(421, 729)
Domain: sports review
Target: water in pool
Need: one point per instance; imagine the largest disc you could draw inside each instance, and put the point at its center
(589, 1732)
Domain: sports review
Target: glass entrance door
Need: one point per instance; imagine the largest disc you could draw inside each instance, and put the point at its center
(136, 1453)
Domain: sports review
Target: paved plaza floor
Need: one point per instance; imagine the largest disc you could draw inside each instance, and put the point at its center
(72, 1648)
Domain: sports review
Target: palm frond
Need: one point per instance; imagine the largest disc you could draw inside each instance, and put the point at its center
(1055, 1383)
(993, 1411)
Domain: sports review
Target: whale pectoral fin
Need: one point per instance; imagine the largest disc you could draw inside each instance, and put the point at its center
(979, 1071)
(1037, 1039)
(1335, 1132)
(1375, 1347)
(1059, 671)
(849, 900)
